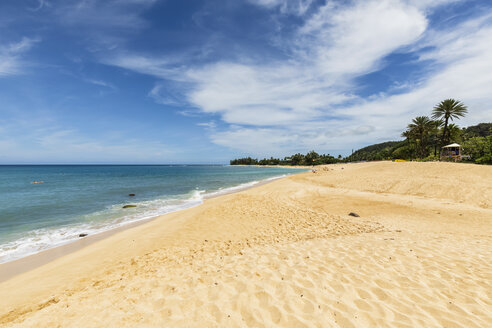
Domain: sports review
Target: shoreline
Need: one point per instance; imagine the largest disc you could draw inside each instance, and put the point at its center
(299, 167)
(286, 253)
(27, 263)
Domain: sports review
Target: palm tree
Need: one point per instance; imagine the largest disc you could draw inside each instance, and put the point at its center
(446, 110)
(434, 135)
(419, 130)
(454, 133)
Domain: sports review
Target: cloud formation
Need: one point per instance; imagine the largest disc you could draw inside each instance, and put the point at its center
(291, 103)
(45, 141)
(105, 25)
(11, 62)
(330, 49)
(296, 7)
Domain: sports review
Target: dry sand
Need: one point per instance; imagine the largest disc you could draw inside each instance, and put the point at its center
(287, 254)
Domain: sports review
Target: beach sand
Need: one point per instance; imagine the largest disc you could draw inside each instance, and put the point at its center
(287, 254)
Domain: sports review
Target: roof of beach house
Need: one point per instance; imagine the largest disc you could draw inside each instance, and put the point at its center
(452, 145)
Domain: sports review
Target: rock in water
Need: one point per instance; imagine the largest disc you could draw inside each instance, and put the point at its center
(82, 235)
(354, 214)
(131, 195)
(128, 206)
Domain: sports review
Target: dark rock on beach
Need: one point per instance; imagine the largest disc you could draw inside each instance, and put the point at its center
(131, 195)
(354, 214)
(128, 206)
(82, 235)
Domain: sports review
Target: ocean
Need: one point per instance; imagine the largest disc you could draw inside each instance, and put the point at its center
(69, 200)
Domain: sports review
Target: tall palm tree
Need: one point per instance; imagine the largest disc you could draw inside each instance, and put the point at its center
(446, 110)
(419, 130)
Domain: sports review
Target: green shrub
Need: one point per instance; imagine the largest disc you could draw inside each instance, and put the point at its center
(479, 149)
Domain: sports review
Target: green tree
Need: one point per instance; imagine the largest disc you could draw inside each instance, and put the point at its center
(297, 159)
(479, 149)
(419, 131)
(404, 151)
(448, 109)
(434, 135)
(244, 161)
(311, 157)
(479, 130)
(454, 133)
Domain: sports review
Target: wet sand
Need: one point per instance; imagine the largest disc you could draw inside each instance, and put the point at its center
(287, 254)
(16, 267)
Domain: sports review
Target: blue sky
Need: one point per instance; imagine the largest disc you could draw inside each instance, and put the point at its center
(204, 81)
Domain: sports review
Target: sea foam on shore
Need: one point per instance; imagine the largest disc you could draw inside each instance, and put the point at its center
(54, 224)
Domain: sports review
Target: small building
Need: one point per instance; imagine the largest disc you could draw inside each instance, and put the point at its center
(451, 152)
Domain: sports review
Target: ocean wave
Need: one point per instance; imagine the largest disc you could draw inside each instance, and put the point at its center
(240, 187)
(113, 217)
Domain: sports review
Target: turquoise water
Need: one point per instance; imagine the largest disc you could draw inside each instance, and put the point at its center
(88, 199)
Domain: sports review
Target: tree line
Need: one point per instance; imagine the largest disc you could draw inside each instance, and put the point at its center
(311, 158)
(424, 138)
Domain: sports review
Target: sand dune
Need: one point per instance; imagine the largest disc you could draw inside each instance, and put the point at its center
(287, 254)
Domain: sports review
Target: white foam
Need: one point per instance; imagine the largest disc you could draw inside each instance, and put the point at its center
(240, 187)
(38, 240)
(42, 239)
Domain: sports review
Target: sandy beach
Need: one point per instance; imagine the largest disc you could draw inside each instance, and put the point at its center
(286, 254)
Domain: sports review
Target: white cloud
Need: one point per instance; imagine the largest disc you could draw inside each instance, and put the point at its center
(307, 101)
(463, 71)
(146, 65)
(166, 95)
(333, 46)
(302, 89)
(105, 24)
(353, 40)
(101, 83)
(42, 143)
(11, 62)
(259, 95)
(40, 5)
(209, 125)
(431, 4)
(112, 13)
(297, 7)
(267, 141)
